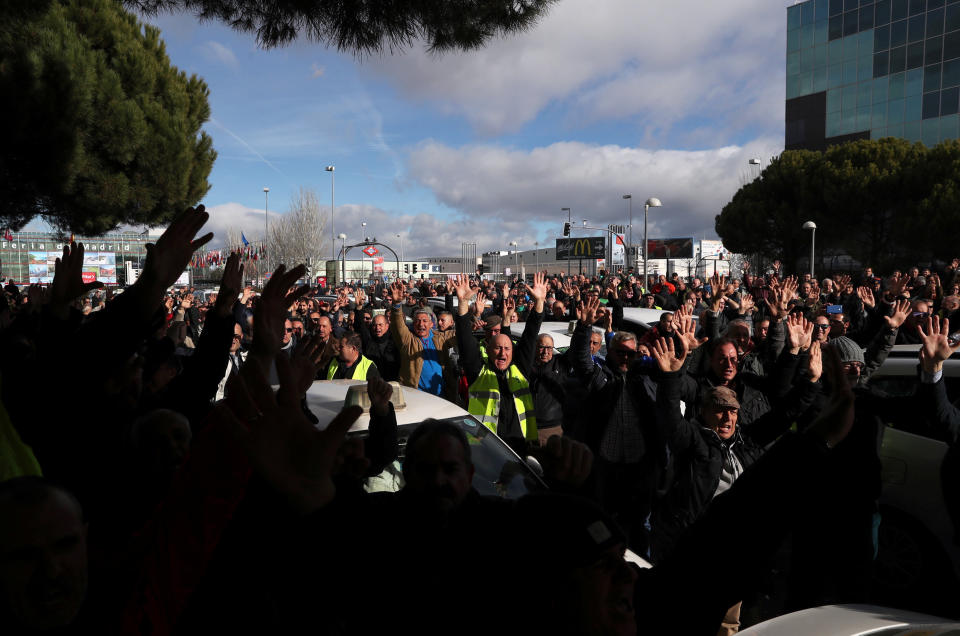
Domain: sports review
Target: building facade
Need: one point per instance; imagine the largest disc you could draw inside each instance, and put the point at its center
(867, 69)
(30, 256)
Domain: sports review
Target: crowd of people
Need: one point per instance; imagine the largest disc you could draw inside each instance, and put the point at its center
(161, 471)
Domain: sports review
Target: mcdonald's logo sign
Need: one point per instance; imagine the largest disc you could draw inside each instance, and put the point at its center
(576, 248)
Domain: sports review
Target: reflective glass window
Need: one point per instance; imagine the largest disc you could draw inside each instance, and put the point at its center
(935, 22)
(898, 33)
(835, 75)
(878, 115)
(836, 7)
(882, 13)
(819, 79)
(914, 31)
(821, 10)
(917, 6)
(898, 59)
(913, 84)
(930, 132)
(914, 55)
(849, 49)
(793, 17)
(835, 29)
(849, 23)
(899, 10)
(895, 111)
(931, 105)
(952, 19)
(931, 78)
(863, 118)
(880, 90)
(866, 18)
(951, 73)
(951, 45)
(913, 108)
(950, 101)
(820, 35)
(806, 12)
(881, 38)
(881, 64)
(833, 100)
(911, 130)
(850, 72)
(933, 50)
(806, 35)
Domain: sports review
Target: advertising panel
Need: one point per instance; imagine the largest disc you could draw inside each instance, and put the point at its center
(572, 249)
(670, 248)
(97, 266)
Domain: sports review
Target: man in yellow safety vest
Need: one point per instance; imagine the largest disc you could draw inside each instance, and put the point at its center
(350, 363)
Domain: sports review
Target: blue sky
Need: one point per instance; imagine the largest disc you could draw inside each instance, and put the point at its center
(597, 100)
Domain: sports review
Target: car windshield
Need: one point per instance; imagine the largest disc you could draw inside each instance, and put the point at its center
(498, 471)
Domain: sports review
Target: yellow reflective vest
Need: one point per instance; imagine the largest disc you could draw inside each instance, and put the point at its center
(484, 402)
(359, 372)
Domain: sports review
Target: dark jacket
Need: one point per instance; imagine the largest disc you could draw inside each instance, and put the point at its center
(382, 351)
(699, 455)
(946, 419)
(548, 383)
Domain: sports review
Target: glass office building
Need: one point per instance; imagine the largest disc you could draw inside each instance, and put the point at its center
(866, 69)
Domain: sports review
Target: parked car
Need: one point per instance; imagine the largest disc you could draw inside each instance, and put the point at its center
(916, 549)
(498, 470)
(853, 620)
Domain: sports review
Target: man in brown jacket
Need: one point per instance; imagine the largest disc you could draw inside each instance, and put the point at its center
(420, 346)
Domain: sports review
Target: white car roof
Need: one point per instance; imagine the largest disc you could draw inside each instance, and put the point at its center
(325, 399)
(848, 620)
(903, 360)
(559, 331)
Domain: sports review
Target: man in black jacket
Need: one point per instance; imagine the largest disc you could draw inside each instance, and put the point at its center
(549, 377)
(378, 344)
(710, 452)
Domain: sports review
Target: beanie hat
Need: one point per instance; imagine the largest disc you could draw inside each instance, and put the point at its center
(847, 349)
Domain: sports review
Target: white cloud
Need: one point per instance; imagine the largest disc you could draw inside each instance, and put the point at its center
(620, 58)
(316, 71)
(504, 189)
(216, 52)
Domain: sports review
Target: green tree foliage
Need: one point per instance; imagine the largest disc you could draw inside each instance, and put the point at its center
(887, 203)
(99, 129)
(365, 26)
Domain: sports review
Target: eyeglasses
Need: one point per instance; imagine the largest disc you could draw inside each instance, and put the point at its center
(289, 329)
(544, 348)
(821, 327)
(236, 337)
(625, 353)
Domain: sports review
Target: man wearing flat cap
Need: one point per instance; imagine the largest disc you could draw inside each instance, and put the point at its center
(710, 451)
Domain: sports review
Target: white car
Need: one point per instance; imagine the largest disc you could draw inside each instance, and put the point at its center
(498, 470)
(853, 620)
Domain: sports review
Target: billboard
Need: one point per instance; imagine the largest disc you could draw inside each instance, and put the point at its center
(670, 248)
(97, 266)
(572, 249)
(709, 249)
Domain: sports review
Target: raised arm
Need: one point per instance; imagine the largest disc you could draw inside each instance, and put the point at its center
(467, 345)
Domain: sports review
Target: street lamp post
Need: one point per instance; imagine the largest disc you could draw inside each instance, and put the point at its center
(266, 230)
(569, 224)
(810, 225)
(343, 258)
(580, 265)
(536, 254)
(629, 198)
(400, 236)
(652, 202)
(331, 169)
(516, 257)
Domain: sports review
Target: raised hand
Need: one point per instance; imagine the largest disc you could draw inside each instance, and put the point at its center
(746, 304)
(799, 333)
(479, 304)
(305, 362)
(865, 294)
(936, 345)
(897, 284)
(397, 292)
(538, 291)
(590, 307)
(286, 450)
(686, 329)
(271, 312)
(668, 357)
(169, 257)
(509, 306)
(247, 295)
(380, 392)
(230, 285)
(815, 362)
(901, 309)
(68, 282)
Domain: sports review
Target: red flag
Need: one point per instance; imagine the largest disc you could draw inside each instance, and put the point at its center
(7, 235)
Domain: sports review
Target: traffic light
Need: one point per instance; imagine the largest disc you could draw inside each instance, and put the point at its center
(566, 228)
(414, 268)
